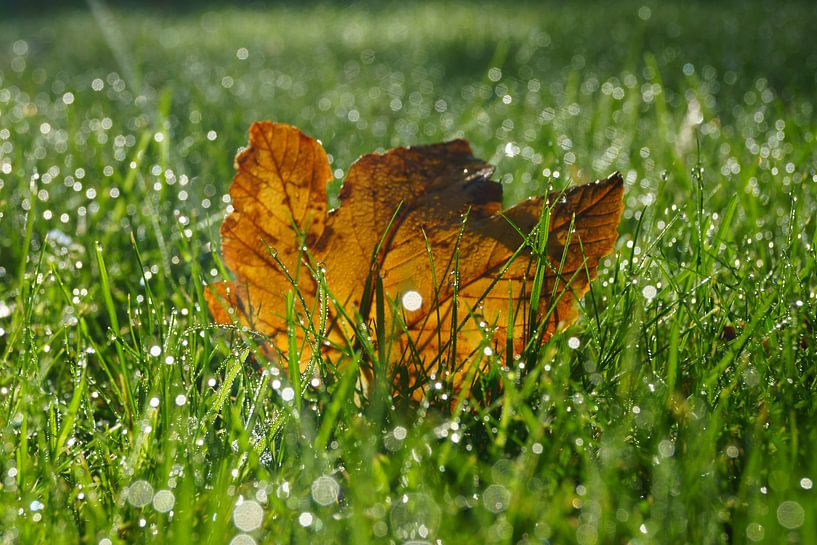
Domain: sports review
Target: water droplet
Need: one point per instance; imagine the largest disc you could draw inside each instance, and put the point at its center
(305, 519)
(415, 515)
(163, 501)
(412, 301)
(288, 394)
(59, 238)
(140, 493)
(496, 498)
(247, 515)
(666, 448)
(755, 531)
(325, 490)
(790, 515)
(649, 292)
(644, 13)
(574, 343)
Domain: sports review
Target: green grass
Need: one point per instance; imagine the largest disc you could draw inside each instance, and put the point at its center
(686, 414)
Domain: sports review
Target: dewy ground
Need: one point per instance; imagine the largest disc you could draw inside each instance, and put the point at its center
(679, 409)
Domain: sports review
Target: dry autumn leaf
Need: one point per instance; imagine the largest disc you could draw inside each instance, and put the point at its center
(421, 225)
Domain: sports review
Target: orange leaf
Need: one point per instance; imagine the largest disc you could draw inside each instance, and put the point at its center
(427, 222)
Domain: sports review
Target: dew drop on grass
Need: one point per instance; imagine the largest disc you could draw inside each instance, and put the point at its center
(415, 515)
(755, 531)
(181, 399)
(649, 292)
(242, 539)
(412, 301)
(288, 394)
(666, 448)
(247, 515)
(574, 343)
(496, 498)
(325, 490)
(140, 493)
(502, 471)
(306, 519)
(644, 13)
(155, 350)
(58, 237)
(790, 515)
(163, 501)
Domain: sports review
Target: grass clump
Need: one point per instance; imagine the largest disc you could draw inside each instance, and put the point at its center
(680, 409)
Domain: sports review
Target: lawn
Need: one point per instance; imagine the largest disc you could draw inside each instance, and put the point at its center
(680, 408)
